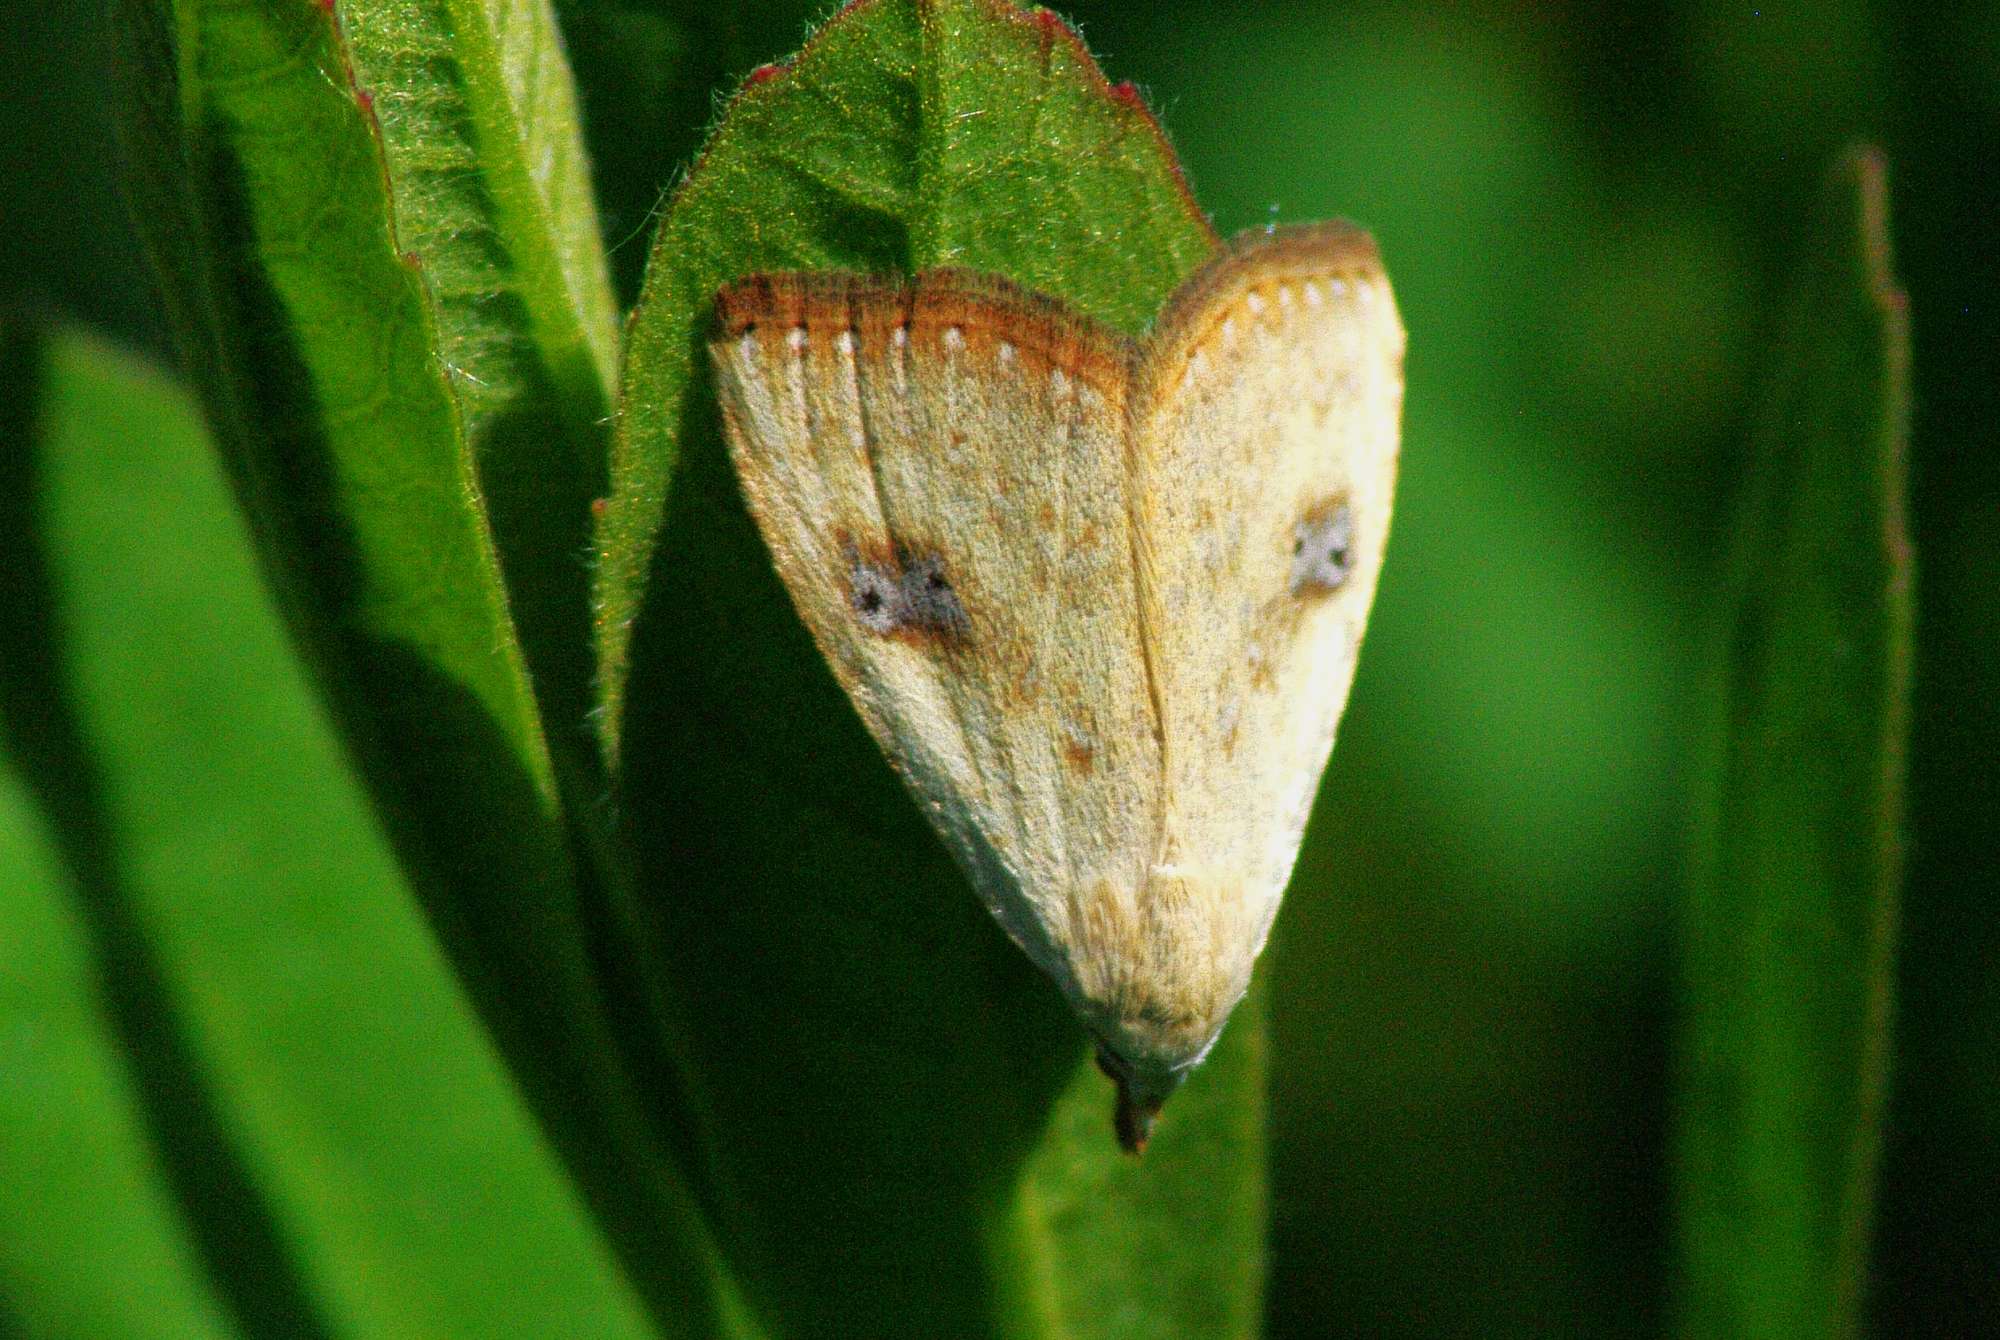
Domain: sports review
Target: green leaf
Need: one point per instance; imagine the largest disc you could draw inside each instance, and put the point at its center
(1170, 1245)
(80, 1183)
(490, 191)
(904, 1134)
(244, 1093)
(373, 230)
(1790, 924)
(262, 188)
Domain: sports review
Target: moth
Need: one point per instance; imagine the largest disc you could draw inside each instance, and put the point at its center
(1098, 599)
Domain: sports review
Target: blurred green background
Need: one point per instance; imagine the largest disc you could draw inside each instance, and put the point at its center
(1590, 212)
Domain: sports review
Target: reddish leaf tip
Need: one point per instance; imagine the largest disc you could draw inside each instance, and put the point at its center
(1055, 28)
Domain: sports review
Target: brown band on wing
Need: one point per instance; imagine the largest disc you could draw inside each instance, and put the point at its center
(1262, 269)
(937, 312)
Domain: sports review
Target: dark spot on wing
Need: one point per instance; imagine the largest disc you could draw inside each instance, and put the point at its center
(1323, 549)
(915, 601)
(876, 596)
(929, 602)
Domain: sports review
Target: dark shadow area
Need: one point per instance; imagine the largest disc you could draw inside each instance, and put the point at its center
(1939, 1234)
(539, 471)
(248, 1262)
(57, 140)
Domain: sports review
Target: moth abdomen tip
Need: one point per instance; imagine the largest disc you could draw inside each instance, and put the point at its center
(1141, 1095)
(1134, 1121)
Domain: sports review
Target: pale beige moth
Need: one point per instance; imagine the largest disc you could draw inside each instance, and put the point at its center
(1098, 599)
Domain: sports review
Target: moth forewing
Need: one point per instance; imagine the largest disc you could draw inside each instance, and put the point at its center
(1098, 600)
(1264, 465)
(938, 468)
